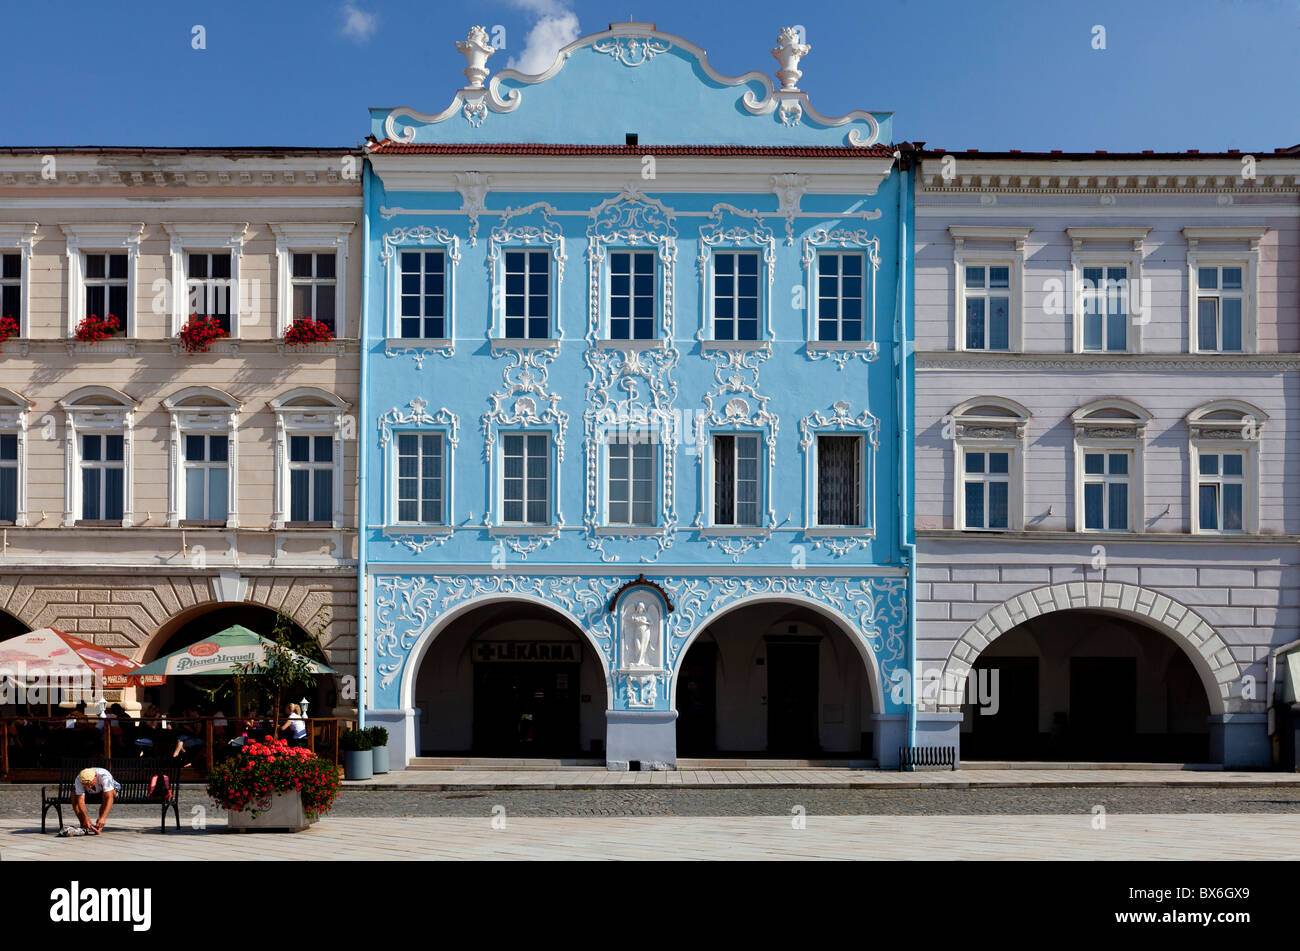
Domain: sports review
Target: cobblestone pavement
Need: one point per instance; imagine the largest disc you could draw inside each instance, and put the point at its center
(23, 803)
(1123, 837)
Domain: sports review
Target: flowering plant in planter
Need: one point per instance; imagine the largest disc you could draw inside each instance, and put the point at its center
(8, 328)
(306, 330)
(199, 332)
(249, 779)
(94, 328)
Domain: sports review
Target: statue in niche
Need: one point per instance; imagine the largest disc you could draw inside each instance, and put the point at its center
(640, 634)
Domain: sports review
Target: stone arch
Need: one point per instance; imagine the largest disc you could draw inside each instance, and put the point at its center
(845, 626)
(420, 649)
(1208, 652)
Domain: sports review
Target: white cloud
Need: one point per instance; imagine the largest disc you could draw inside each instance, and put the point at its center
(540, 7)
(553, 31)
(357, 24)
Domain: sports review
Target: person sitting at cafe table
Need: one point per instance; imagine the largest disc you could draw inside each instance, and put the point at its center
(295, 726)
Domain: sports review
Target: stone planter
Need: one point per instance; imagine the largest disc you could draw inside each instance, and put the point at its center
(285, 814)
(380, 754)
(358, 764)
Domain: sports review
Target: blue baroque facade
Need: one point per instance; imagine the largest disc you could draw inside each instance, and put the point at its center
(636, 370)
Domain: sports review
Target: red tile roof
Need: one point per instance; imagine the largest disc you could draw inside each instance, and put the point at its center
(389, 147)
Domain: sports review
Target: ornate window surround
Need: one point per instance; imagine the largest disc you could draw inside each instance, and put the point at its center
(189, 416)
(1012, 258)
(841, 239)
(1081, 256)
(630, 221)
(1112, 425)
(1246, 256)
(411, 239)
(306, 411)
(314, 237)
(101, 238)
(418, 535)
(724, 231)
(840, 421)
(106, 411)
(13, 419)
(19, 237)
(1000, 431)
(211, 238)
(1226, 426)
(508, 236)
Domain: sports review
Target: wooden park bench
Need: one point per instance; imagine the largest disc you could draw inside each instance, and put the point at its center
(133, 774)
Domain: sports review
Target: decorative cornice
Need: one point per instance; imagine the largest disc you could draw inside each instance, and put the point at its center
(1188, 362)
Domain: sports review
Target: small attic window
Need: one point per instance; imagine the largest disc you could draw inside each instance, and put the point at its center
(629, 138)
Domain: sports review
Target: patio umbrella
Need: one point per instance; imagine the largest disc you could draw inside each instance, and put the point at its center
(58, 656)
(219, 655)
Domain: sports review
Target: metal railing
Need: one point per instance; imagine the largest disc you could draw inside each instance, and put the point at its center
(31, 746)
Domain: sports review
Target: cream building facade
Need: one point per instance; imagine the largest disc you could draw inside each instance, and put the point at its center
(149, 495)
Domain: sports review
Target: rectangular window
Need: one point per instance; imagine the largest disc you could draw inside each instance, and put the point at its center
(735, 295)
(631, 482)
(11, 287)
(987, 487)
(1219, 301)
(207, 477)
(106, 287)
(315, 284)
(528, 295)
(840, 296)
(631, 295)
(988, 307)
(1105, 306)
(424, 294)
(839, 480)
(526, 482)
(1106, 491)
(311, 478)
(420, 478)
(735, 480)
(1221, 490)
(103, 495)
(8, 477)
(208, 282)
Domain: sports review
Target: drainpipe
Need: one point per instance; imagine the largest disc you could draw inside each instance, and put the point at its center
(362, 402)
(902, 374)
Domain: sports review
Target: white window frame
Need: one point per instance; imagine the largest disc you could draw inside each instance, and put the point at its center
(1000, 431)
(101, 239)
(761, 496)
(1000, 255)
(551, 481)
(18, 238)
(643, 438)
(657, 279)
(762, 320)
(1083, 255)
(394, 497)
(514, 236)
(420, 239)
(1108, 426)
(1243, 252)
(1217, 435)
(863, 489)
(97, 410)
(202, 411)
(306, 411)
(311, 238)
(13, 419)
(189, 239)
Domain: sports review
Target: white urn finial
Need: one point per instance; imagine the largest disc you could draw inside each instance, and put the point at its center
(476, 50)
(788, 52)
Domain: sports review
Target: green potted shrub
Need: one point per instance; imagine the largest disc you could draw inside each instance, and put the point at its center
(270, 786)
(379, 748)
(358, 761)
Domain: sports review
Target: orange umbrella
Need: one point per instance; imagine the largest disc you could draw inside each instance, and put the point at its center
(50, 655)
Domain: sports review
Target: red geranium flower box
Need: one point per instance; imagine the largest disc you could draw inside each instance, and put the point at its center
(199, 332)
(96, 328)
(305, 330)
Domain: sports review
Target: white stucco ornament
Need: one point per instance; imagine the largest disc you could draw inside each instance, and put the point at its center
(476, 50)
(788, 52)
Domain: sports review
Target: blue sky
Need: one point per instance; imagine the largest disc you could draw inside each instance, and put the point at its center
(1207, 74)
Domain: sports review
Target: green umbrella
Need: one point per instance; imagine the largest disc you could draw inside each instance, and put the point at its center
(221, 654)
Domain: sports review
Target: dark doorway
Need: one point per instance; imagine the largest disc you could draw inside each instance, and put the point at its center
(1103, 707)
(792, 687)
(697, 701)
(526, 709)
(1010, 685)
